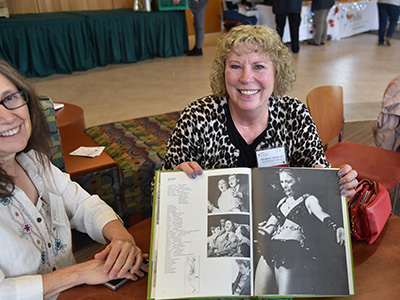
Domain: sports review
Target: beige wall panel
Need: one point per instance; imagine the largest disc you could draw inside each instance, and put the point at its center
(22, 6)
(49, 6)
(122, 4)
(213, 17)
(71, 5)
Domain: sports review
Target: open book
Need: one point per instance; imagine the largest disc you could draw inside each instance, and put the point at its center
(250, 232)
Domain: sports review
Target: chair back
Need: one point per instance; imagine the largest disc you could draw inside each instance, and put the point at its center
(56, 154)
(325, 104)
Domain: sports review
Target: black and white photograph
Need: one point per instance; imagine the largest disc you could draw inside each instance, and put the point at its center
(228, 235)
(299, 227)
(228, 193)
(241, 284)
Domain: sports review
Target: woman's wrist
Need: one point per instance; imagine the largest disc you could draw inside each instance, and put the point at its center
(330, 223)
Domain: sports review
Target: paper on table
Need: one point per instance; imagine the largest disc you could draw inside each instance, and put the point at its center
(88, 151)
(58, 105)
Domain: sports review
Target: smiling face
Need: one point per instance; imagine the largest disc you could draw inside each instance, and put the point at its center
(249, 80)
(15, 125)
(229, 225)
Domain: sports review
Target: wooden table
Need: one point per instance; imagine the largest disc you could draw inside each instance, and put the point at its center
(70, 114)
(131, 290)
(377, 268)
(72, 137)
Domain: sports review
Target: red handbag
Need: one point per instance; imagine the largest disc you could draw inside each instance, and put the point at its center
(369, 210)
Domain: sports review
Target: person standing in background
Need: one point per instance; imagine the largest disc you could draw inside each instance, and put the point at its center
(320, 8)
(387, 8)
(292, 10)
(198, 8)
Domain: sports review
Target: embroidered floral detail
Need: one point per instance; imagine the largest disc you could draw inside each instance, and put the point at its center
(25, 230)
(60, 246)
(5, 201)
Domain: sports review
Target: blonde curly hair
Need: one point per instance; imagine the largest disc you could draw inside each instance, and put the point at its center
(256, 38)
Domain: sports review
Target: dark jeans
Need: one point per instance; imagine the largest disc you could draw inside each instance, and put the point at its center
(385, 11)
(294, 24)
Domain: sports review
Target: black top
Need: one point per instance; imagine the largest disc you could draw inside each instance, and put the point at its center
(247, 156)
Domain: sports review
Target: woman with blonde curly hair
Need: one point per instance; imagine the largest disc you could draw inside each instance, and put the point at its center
(248, 112)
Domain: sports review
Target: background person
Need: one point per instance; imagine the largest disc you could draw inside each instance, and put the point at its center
(391, 9)
(39, 204)
(290, 9)
(248, 111)
(198, 9)
(232, 14)
(321, 9)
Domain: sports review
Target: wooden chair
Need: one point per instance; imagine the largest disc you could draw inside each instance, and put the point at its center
(326, 107)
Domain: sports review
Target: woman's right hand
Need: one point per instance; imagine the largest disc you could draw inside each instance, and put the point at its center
(191, 168)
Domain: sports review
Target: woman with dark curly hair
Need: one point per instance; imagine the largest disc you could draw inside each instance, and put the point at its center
(248, 112)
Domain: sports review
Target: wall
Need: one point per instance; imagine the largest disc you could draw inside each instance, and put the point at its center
(212, 22)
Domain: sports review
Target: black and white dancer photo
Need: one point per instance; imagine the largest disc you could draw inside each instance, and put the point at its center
(300, 228)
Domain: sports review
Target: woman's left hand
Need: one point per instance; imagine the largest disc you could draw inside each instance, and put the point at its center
(348, 180)
(123, 258)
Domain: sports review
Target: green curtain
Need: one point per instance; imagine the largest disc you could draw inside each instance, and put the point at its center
(43, 44)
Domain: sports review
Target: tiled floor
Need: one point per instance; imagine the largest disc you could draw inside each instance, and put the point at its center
(119, 92)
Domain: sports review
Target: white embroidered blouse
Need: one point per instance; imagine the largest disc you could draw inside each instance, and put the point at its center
(32, 243)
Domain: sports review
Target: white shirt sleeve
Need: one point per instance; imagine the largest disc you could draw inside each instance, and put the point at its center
(27, 287)
(87, 213)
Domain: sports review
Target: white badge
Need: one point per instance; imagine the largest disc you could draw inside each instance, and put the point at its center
(272, 157)
(58, 215)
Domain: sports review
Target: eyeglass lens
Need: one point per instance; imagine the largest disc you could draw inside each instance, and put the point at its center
(15, 100)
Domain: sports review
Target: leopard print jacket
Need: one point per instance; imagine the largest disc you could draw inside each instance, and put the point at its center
(201, 135)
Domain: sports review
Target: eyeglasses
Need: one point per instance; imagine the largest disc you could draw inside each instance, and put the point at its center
(15, 100)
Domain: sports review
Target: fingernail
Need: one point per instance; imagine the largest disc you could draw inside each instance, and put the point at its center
(340, 174)
(343, 192)
(342, 187)
(111, 276)
(193, 175)
(341, 181)
(199, 172)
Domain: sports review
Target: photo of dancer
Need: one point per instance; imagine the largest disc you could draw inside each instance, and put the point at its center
(228, 236)
(228, 193)
(299, 230)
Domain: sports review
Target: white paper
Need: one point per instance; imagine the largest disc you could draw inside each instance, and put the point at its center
(88, 151)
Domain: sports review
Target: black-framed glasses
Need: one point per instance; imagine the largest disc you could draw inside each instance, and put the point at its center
(15, 100)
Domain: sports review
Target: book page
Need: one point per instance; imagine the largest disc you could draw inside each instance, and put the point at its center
(202, 235)
(298, 213)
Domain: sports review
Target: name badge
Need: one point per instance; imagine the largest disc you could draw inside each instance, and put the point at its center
(272, 157)
(58, 215)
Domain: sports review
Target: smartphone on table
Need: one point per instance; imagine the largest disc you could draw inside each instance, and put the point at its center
(116, 283)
